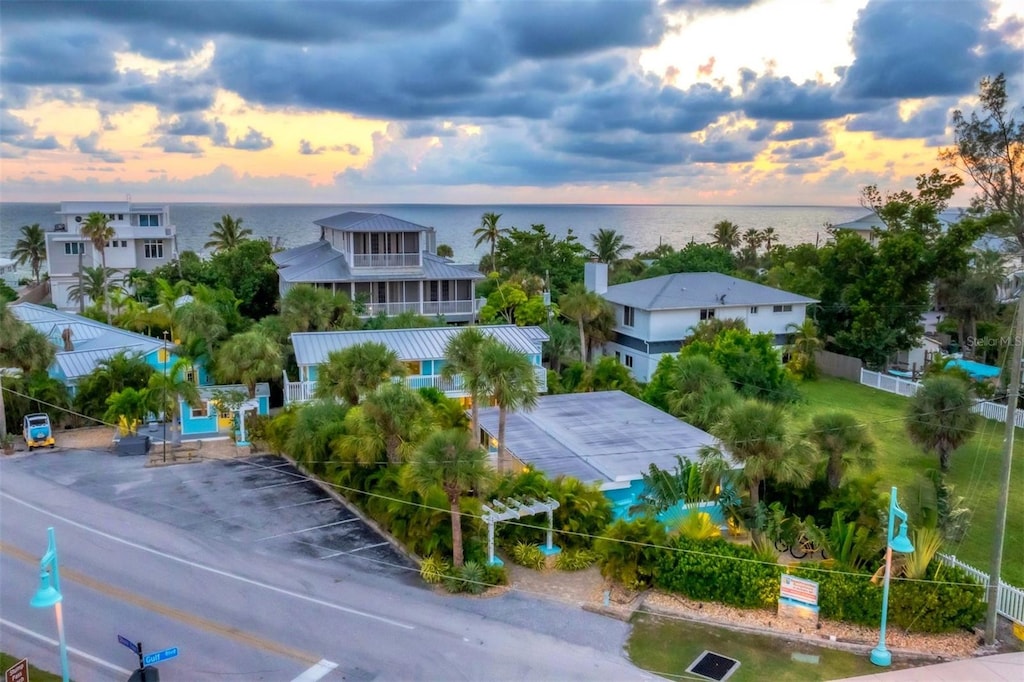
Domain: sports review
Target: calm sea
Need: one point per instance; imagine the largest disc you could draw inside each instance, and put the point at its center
(644, 226)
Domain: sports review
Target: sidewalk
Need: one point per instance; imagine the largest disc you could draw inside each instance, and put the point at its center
(998, 668)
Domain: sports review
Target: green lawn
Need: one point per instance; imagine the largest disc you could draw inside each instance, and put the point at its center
(34, 674)
(974, 470)
(667, 647)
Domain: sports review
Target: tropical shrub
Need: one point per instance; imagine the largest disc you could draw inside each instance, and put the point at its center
(433, 569)
(529, 556)
(583, 512)
(474, 578)
(717, 570)
(575, 560)
(698, 526)
(628, 551)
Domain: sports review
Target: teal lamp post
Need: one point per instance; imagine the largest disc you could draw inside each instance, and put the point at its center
(880, 655)
(49, 595)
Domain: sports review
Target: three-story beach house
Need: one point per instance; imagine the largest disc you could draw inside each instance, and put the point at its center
(654, 316)
(144, 238)
(421, 350)
(385, 264)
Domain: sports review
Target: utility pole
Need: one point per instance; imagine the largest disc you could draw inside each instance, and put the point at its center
(1017, 341)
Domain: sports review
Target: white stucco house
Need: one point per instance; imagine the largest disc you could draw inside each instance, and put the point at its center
(144, 238)
(654, 316)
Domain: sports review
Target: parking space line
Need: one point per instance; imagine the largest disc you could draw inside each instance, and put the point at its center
(291, 482)
(353, 551)
(303, 530)
(300, 504)
(317, 671)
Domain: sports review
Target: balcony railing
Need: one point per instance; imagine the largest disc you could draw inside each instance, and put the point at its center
(391, 308)
(430, 308)
(448, 307)
(303, 391)
(386, 260)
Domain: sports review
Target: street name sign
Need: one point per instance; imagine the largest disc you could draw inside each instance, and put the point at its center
(129, 643)
(157, 656)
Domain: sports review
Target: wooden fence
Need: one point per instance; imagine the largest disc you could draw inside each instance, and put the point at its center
(836, 365)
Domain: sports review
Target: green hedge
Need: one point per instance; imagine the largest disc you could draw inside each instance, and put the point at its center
(717, 570)
(721, 571)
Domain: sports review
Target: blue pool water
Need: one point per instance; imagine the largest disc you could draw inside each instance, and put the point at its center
(976, 370)
(625, 498)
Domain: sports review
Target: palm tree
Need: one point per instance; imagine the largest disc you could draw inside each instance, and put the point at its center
(169, 389)
(464, 356)
(760, 438)
(390, 422)
(562, 344)
(769, 237)
(129, 405)
(31, 248)
(357, 370)
(22, 345)
(753, 239)
(247, 358)
(802, 348)
(585, 308)
(227, 234)
(843, 441)
(939, 418)
(726, 234)
(98, 231)
(609, 246)
(167, 296)
(92, 284)
(513, 385)
(700, 391)
(451, 460)
(307, 308)
(445, 251)
(489, 232)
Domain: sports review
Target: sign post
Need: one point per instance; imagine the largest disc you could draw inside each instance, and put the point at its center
(17, 672)
(145, 672)
(798, 600)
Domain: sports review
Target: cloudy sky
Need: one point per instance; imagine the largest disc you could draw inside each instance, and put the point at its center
(571, 101)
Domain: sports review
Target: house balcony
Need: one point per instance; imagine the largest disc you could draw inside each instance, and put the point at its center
(303, 391)
(386, 260)
(428, 308)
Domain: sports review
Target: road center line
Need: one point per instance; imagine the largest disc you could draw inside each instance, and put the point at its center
(211, 569)
(71, 650)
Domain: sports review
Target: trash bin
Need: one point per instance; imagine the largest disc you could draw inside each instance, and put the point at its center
(134, 446)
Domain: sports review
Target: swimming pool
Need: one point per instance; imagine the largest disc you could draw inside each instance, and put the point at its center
(976, 370)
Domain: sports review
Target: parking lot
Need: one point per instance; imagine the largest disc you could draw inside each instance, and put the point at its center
(261, 502)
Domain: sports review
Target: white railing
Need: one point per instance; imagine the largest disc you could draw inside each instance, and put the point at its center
(385, 260)
(303, 391)
(1010, 600)
(370, 309)
(448, 307)
(905, 387)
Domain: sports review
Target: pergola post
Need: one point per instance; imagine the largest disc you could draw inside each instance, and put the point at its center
(551, 527)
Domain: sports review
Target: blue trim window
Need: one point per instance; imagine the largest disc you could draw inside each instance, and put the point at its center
(203, 410)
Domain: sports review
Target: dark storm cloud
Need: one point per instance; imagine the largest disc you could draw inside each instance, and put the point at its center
(41, 143)
(253, 141)
(561, 29)
(163, 47)
(89, 144)
(780, 99)
(189, 124)
(271, 20)
(761, 131)
(16, 132)
(56, 55)
(800, 130)
(645, 105)
(922, 49)
(926, 122)
(172, 93)
(803, 150)
(417, 129)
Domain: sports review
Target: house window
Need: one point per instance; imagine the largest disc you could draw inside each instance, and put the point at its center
(73, 248)
(707, 313)
(124, 243)
(203, 410)
(629, 361)
(753, 310)
(618, 357)
(782, 309)
(149, 220)
(153, 248)
(413, 367)
(190, 376)
(628, 316)
(120, 216)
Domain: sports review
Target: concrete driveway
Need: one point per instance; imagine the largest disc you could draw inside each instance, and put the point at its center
(261, 502)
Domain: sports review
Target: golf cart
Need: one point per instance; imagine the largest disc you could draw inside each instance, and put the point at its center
(37, 431)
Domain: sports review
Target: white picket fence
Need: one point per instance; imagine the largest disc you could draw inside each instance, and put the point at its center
(905, 387)
(1010, 600)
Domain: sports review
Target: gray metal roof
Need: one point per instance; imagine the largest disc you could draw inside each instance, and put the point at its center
(319, 262)
(606, 437)
(100, 340)
(356, 221)
(687, 290)
(312, 348)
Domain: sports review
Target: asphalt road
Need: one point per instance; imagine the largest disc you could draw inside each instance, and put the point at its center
(253, 575)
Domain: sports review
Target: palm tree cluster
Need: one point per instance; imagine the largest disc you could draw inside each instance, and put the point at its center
(31, 248)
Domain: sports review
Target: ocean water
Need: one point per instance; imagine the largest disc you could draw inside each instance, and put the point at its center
(644, 226)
